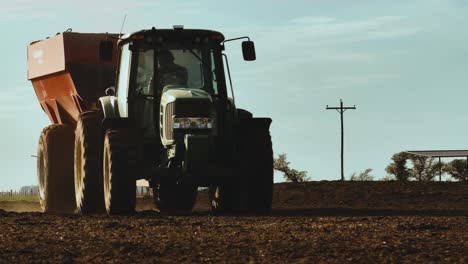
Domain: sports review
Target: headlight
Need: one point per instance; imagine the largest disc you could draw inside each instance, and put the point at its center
(192, 123)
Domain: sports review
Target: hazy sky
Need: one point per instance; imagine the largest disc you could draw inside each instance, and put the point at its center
(403, 63)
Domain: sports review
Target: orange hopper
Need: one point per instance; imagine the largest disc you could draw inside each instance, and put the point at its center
(69, 73)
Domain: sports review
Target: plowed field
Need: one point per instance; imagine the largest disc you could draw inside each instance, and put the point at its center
(363, 222)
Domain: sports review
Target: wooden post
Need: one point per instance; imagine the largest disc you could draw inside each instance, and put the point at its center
(341, 110)
(440, 170)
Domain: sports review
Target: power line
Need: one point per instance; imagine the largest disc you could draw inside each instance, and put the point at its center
(341, 109)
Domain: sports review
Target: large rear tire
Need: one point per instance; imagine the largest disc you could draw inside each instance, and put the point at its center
(88, 156)
(253, 190)
(55, 169)
(175, 198)
(118, 168)
(225, 199)
(257, 168)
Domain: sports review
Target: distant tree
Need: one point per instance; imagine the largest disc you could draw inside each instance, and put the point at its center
(398, 166)
(31, 189)
(363, 176)
(457, 169)
(424, 168)
(290, 175)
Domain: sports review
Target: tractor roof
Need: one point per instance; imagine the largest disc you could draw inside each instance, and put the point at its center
(177, 33)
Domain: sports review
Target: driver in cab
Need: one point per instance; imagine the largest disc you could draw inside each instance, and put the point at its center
(169, 72)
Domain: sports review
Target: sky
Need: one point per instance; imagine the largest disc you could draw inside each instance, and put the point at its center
(403, 63)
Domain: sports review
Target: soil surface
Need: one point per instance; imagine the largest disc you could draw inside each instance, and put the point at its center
(330, 222)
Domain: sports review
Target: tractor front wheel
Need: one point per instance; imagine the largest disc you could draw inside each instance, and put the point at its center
(88, 155)
(119, 165)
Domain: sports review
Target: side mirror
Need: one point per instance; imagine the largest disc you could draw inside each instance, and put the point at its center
(110, 91)
(248, 50)
(106, 50)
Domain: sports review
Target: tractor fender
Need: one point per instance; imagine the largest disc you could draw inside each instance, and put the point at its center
(249, 130)
(249, 125)
(262, 123)
(243, 114)
(246, 121)
(109, 107)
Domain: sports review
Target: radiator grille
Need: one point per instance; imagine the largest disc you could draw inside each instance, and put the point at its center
(170, 107)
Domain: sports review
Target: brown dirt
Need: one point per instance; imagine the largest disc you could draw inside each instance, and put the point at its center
(20, 206)
(364, 222)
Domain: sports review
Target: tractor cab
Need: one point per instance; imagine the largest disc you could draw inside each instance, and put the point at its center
(172, 82)
(159, 67)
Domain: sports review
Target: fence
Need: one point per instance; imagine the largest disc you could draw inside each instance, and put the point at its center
(12, 193)
(140, 191)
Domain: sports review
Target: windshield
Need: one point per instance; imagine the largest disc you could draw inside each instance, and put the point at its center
(177, 68)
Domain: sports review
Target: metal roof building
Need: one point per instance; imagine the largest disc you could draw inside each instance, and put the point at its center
(440, 154)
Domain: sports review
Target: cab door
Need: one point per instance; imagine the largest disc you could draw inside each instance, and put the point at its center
(123, 80)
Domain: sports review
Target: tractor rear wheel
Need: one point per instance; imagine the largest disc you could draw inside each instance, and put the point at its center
(88, 156)
(225, 199)
(257, 168)
(55, 169)
(253, 190)
(119, 166)
(175, 198)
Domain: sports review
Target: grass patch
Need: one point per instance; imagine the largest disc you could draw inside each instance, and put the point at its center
(34, 198)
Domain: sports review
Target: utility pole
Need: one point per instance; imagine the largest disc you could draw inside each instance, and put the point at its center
(341, 109)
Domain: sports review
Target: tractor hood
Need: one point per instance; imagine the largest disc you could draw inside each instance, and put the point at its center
(182, 103)
(171, 95)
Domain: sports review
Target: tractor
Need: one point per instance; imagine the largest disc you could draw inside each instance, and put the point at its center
(156, 104)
